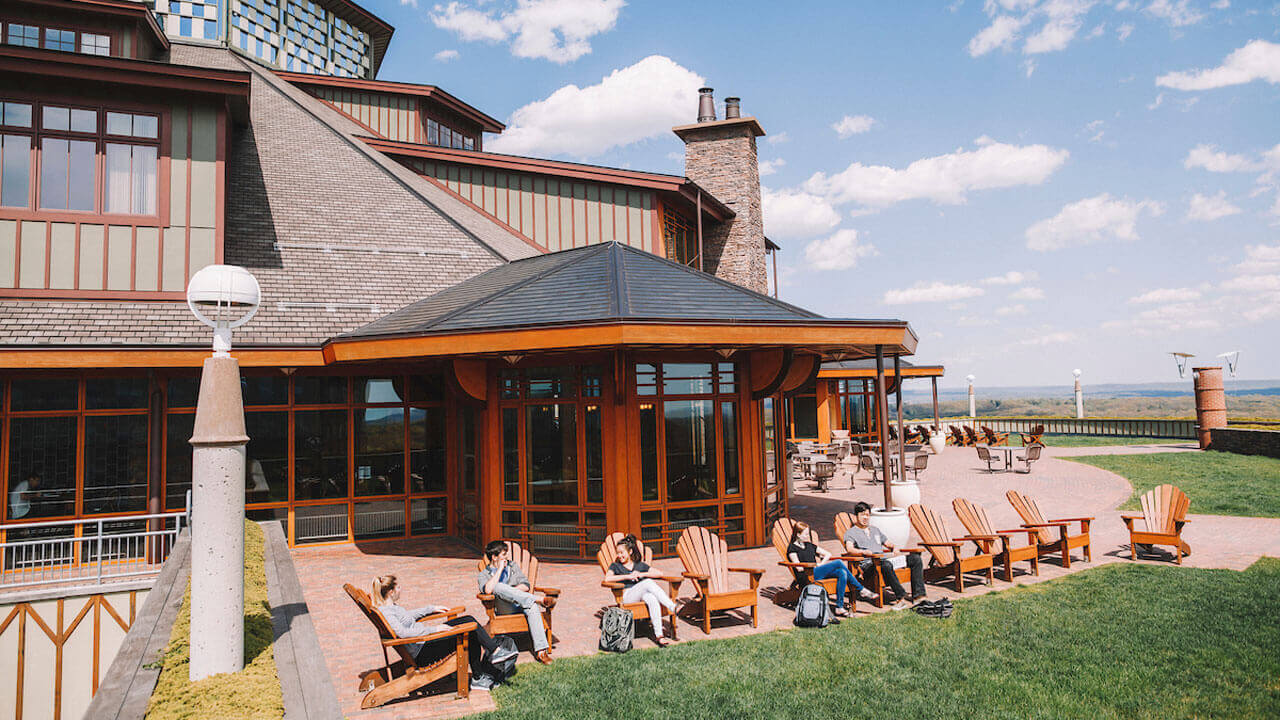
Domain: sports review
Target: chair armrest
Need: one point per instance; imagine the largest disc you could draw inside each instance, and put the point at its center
(992, 536)
(805, 566)
(670, 578)
(1074, 519)
(612, 585)
(455, 630)
(695, 576)
(912, 549)
(553, 592)
(753, 571)
(1131, 516)
(949, 543)
(449, 614)
(485, 597)
(1048, 524)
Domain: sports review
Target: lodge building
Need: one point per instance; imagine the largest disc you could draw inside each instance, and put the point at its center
(451, 341)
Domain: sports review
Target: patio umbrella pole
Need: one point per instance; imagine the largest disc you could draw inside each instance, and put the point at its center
(882, 426)
(897, 392)
(937, 419)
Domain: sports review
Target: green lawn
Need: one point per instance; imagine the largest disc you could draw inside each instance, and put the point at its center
(1096, 440)
(1218, 483)
(1119, 641)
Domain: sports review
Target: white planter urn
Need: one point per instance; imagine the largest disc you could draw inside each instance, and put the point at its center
(893, 523)
(937, 441)
(905, 493)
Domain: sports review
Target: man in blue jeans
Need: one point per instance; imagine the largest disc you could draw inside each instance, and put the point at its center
(862, 540)
(505, 581)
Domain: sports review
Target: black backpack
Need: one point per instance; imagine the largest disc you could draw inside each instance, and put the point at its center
(813, 609)
(617, 630)
(492, 673)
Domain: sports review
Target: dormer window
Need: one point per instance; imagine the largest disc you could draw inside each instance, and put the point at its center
(445, 136)
(53, 38)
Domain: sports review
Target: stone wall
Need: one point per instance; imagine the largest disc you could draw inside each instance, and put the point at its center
(1246, 441)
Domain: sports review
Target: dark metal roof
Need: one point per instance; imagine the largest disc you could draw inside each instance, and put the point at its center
(608, 282)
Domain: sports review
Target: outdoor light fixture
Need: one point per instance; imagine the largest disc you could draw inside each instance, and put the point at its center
(1232, 358)
(973, 409)
(223, 297)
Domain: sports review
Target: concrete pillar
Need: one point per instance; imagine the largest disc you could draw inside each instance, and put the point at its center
(1211, 403)
(1079, 401)
(973, 409)
(217, 526)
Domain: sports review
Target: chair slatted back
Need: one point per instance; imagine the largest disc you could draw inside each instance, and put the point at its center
(365, 604)
(1033, 452)
(607, 554)
(931, 528)
(984, 454)
(1163, 507)
(956, 435)
(973, 516)
(1030, 514)
(843, 521)
(824, 469)
(521, 557)
(971, 435)
(921, 462)
(781, 536)
(703, 552)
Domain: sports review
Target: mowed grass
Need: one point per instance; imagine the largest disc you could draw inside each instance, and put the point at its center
(1096, 440)
(1218, 483)
(1118, 641)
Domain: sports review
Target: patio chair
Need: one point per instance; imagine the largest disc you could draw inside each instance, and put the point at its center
(871, 464)
(873, 580)
(946, 560)
(801, 573)
(515, 623)
(1065, 542)
(823, 472)
(918, 463)
(974, 518)
(1028, 456)
(972, 436)
(957, 437)
(988, 457)
(1164, 512)
(995, 438)
(405, 676)
(1035, 437)
(706, 563)
(605, 556)
(893, 432)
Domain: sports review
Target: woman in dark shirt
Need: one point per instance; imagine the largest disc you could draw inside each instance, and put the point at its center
(802, 551)
(637, 579)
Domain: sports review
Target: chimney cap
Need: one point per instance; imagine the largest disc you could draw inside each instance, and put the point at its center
(706, 106)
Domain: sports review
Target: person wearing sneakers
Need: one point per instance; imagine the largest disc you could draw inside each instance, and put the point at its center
(637, 579)
(862, 540)
(406, 623)
(800, 550)
(505, 581)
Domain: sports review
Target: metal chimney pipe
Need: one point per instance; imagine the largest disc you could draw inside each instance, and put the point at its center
(732, 109)
(706, 105)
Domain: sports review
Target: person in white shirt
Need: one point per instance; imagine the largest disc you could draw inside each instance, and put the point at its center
(21, 495)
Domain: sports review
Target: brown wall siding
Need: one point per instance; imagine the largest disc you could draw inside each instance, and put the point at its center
(394, 117)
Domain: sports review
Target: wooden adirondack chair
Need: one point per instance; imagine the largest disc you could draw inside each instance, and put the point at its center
(957, 436)
(705, 557)
(639, 611)
(995, 438)
(972, 436)
(873, 581)
(801, 573)
(1164, 512)
(514, 623)
(405, 676)
(974, 518)
(1065, 542)
(1035, 437)
(947, 560)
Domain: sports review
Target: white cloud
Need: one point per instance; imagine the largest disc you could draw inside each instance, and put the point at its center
(769, 167)
(777, 138)
(1220, 4)
(1165, 295)
(796, 214)
(410, 3)
(1204, 207)
(1090, 220)
(1065, 20)
(1011, 310)
(1209, 158)
(555, 30)
(1178, 13)
(999, 34)
(944, 179)
(1258, 60)
(446, 55)
(1013, 277)
(840, 251)
(1051, 338)
(1027, 293)
(1124, 31)
(851, 125)
(631, 104)
(931, 292)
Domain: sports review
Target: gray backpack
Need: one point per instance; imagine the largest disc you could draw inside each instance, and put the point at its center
(617, 630)
(813, 609)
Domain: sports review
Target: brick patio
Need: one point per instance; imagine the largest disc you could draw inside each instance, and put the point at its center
(442, 572)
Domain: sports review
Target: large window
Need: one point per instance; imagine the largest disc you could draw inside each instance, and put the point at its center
(802, 412)
(856, 402)
(440, 134)
(90, 159)
(55, 38)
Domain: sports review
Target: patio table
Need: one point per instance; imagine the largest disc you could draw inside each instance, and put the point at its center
(1008, 454)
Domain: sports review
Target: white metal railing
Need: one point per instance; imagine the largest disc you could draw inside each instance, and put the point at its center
(92, 551)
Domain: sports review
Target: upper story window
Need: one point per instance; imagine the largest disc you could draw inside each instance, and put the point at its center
(444, 136)
(55, 38)
(65, 143)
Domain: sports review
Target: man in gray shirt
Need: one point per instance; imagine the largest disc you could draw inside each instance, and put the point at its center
(507, 583)
(862, 540)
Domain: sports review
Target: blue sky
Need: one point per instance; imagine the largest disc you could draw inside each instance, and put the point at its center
(1036, 185)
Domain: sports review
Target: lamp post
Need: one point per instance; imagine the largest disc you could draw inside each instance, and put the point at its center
(222, 297)
(973, 412)
(1079, 396)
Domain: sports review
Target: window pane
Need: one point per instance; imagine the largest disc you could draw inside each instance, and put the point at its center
(680, 518)
(56, 118)
(427, 450)
(510, 454)
(770, 442)
(804, 413)
(551, 440)
(468, 440)
(53, 173)
(551, 382)
(594, 459)
(553, 533)
(725, 372)
(25, 35)
(84, 120)
(17, 114)
(15, 182)
(83, 176)
(95, 44)
(59, 39)
(648, 452)
(265, 389)
(119, 169)
(690, 452)
(266, 476)
(320, 523)
(379, 519)
(428, 516)
(686, 378)
(177, 459)
(378, 390)
(119, 123)
(429, 388)
(106, 393)
(320, 454)
(729, 441)
(183, 392)
(42, 467)
(44, 394)
(319, 390)
(379, 451)
(646, 379)
(145, 126)
(433, 133)
(144, 180)
(115, 461)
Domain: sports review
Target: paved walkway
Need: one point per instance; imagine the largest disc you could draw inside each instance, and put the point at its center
(442, 572)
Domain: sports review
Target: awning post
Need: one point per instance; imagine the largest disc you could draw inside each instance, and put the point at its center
(882, 426)
(902, 442)
(937, 420)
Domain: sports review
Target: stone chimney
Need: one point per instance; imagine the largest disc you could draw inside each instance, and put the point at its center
(720, 156)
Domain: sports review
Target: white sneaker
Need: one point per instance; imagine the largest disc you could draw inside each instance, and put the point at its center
(900, 605)
(866, 594)
(502, 655)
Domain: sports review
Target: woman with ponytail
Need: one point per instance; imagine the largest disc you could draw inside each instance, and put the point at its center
(638, 580)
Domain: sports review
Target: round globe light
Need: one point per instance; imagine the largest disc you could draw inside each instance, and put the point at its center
(1076, 372)
(969, 378)
(223, 297)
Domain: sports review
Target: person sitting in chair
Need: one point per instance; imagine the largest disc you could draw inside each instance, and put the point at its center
(505, 581)
(800, 550)
(405, 624)
(638, 580)
(863, 540)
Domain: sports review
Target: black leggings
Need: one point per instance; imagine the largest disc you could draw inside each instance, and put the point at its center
(478, 641)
